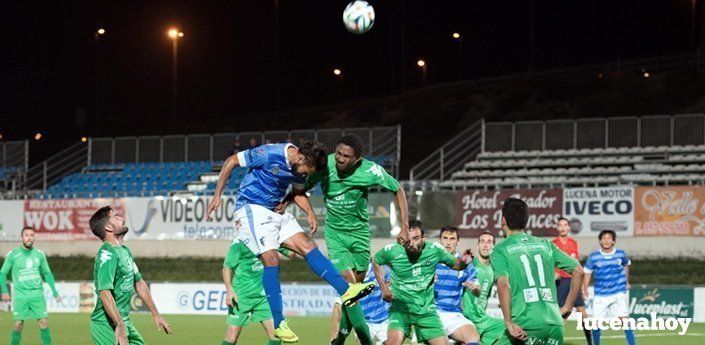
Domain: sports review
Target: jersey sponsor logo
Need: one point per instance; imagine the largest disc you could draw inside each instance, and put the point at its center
(531, 295)
(416, 271)
(399, 256)
(546, 294)
(105, 256)
(29, 263)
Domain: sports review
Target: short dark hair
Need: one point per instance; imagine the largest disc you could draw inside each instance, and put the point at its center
(315, 154)
(415, 223)
(98, 221)
(486, 232)
(605, 232)
(449, 228)
(516, 213)
(353, 141)
(26, 228)
(562, 218)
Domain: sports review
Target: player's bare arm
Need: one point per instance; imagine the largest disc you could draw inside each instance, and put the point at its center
(142, 290)
(379, 276)
(403, 237)
(463, 261)
(505, 300)
(586, 284)
(230, 297)
(576, 283)
(111, 310)
(303, 202)
(228, 166)
(626, 272)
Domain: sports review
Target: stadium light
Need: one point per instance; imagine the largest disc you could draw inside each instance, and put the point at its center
(1, 136)
(84, 139)
(174, 33)
(101, 31)
(646, 74)
(421, 63)
(337, 72)
(456, 35)
(37, 136)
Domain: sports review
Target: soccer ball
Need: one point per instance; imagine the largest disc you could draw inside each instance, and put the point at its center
(359, 17)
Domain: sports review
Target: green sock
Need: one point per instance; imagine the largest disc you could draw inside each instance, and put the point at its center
(45, 335)
(344, 329)
(16, 335)
(357, 318)
(225, 342)
(274, 342)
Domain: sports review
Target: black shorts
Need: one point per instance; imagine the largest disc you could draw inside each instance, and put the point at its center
(563, 288)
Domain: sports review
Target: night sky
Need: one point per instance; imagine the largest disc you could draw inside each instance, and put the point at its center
(52, 66)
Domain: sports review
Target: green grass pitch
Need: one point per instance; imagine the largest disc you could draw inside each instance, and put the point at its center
(72, 329)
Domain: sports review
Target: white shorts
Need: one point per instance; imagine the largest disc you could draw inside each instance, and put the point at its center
(262, 230)
(452, 321)
(378, 331)
(610, 306)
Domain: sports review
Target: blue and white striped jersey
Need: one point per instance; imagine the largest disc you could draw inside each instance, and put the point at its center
(376, 310)
(448, 288)
(268, 176)
(608, 271)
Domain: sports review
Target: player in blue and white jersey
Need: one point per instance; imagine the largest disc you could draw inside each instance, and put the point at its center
(448, 291)
(609, 267)
(272, 169)
(375, 308)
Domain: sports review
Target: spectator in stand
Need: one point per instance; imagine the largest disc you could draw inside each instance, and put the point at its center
(234, 149)
(253, 143)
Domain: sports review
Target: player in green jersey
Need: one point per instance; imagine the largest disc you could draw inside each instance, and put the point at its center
(523, 267)
(413, 269)
(28, 268)
(245, 294)
(475, 296)
(346, 184)
(116, 277)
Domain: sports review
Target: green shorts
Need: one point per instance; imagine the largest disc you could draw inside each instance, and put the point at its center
(103, 333)
(29, 308)
(426, 326)
(490, 329)
(349, 250)
(550, 335)
(245, 309)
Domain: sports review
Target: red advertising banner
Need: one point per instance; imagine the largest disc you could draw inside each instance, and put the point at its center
(669, 211)
(480, 210)
(65, 218)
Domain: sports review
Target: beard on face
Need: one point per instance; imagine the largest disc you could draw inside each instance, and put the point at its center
(28, 244)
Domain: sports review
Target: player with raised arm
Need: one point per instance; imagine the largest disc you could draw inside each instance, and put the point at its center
(346, 184)
(412, 271)
(245, 296)
(476, 295)
(448, 290)
(570, 247)
(272, 169)
(523, 267)
(610, 268)
(28, 268)
(116, 279)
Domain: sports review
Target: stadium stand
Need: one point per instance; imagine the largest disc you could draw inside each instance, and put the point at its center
(587, 167)
(170, 165)
(657, 150)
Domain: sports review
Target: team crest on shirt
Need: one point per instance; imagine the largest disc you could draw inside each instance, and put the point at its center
(261, 240)
(275, 170)
(428, 262)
